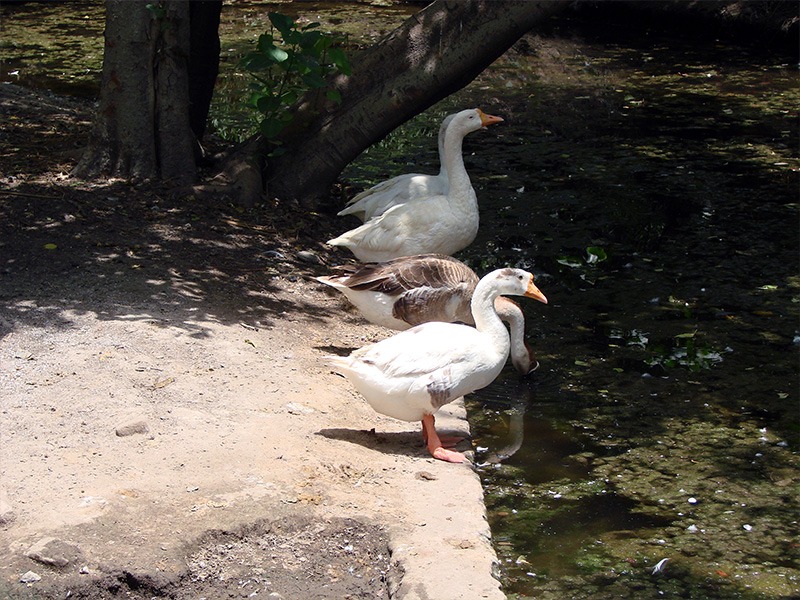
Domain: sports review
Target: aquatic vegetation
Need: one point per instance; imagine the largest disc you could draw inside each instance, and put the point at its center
(685, 350)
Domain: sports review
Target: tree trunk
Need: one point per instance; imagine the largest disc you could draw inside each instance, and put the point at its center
(433, 54)
(143, 128)
(174, 137)
(203, 61)
(122, 141)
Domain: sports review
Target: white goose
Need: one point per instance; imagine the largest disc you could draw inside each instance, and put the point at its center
(412, 374)
(436, 224)
(376, 200)
(410, 290)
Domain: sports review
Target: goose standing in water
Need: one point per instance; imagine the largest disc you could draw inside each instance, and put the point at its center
(412, 374)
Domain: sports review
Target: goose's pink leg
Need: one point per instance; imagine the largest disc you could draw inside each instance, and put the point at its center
(434, 443)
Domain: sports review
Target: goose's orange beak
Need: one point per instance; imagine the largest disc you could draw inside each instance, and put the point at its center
(534, 292)
(488, 119)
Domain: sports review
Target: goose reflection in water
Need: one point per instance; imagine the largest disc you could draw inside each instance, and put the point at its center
(511, 399)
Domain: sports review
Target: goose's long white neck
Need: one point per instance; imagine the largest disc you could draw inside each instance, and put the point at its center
(457, 177)
(486, 319)
(442, 153)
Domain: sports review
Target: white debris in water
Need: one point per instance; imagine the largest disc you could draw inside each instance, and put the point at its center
(692, 528)
(659, 566)
(747, 527)
(692, 500)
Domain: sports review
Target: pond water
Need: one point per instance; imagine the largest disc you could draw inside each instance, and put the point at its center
(649, 178)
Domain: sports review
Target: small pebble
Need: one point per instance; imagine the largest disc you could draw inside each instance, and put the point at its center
(30, 577)
(309, 257)
(295, 408)
(132, 428)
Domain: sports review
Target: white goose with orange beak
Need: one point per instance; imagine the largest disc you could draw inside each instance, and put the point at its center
(409, 376)
(435, 224)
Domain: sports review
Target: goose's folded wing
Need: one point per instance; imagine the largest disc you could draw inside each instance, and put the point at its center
(421, 350)
(379, 234)
(408, 273)
(425, 304)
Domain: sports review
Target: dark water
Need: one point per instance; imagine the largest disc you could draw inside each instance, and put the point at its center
(663, 422)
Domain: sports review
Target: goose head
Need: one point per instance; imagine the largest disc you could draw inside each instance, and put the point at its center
(470, 120)
(514, 282)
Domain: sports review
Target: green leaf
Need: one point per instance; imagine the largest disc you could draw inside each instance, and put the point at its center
(281, 22)
(339, 59)
(334, 96)
(50, 246)
(287, 64)
(289, 97)
(313, 80)
(268, 104)
(308, 39)
(265, 40)
(270, 128)
(595, 254)
(254, 62)
(275, 54)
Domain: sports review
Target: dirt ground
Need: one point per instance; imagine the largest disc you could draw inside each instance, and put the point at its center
(168, 428)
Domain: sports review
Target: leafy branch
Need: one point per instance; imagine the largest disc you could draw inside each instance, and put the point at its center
(289, 61)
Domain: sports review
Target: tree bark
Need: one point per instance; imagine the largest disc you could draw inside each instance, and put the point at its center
(433, 54)
(174, 137)
(122, 140)
(154, 96)
(203, 61)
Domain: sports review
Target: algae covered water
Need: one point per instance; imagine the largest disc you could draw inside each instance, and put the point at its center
(649, 180)
(654, 453)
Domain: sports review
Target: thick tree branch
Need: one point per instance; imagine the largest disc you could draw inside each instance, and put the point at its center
(433, 54)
